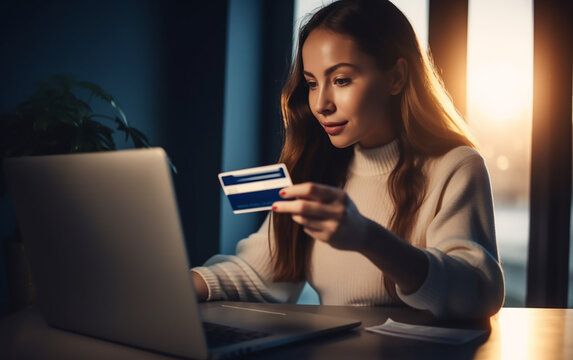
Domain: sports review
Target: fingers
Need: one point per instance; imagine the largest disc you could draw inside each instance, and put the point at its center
(317, 228)
(313, 200)
(314, 224)
(311, 209)
(320, 209)
(314, 191)
(325, 213)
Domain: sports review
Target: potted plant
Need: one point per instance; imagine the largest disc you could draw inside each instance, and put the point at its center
(57, 119)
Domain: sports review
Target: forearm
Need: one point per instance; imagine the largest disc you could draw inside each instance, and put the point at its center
(403, 263)
(231, 278)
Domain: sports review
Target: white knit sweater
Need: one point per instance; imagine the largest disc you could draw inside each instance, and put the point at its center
(455, 226)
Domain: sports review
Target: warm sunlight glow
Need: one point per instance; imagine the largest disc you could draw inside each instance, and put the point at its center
(499, 89)
(500, 60)
(515, 335)
(499, 108)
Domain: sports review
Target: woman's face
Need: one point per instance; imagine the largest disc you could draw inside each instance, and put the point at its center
(347, 93)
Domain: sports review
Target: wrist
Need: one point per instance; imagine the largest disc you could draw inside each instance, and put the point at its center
(201, 288)
(405, 264)
(369, 236)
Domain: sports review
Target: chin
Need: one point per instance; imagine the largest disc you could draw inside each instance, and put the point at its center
(341, 143)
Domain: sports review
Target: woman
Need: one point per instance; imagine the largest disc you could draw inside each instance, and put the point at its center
(391, 203)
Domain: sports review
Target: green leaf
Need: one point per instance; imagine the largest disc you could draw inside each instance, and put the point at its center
(139, 138)
(58, 118)
(95, 90)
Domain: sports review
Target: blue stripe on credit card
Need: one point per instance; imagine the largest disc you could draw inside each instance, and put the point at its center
(256, 199)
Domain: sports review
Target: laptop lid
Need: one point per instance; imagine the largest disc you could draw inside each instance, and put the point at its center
(108, 255)
(105, 247)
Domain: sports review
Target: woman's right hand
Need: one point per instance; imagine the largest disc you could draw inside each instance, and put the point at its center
(326, 213)
(200, 287)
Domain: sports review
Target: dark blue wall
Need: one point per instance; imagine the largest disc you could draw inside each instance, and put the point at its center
(115, 44)
(162, 60)
(259, 43)
(166, 63)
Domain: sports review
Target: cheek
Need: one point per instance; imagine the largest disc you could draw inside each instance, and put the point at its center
(374, 102)
(364, 103)
(350, 102)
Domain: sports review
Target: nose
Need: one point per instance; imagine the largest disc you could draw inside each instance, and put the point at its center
(323, 103)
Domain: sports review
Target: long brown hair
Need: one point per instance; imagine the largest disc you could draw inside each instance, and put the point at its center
(424, 119)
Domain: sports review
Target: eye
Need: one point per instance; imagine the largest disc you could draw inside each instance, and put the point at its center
(342, 81)
(311, 84)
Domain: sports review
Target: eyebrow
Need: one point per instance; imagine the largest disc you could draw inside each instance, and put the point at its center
(332, 69)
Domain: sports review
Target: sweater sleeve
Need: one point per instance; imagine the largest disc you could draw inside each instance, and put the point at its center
(248, 275)
(465, 278)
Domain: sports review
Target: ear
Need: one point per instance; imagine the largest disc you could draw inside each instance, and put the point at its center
(398, 76)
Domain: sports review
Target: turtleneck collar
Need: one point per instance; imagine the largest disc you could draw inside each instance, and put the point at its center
(375, 161)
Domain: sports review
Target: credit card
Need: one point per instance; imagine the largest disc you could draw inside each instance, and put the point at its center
(254, 189)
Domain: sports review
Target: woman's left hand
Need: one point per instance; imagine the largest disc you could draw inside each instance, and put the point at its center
(326, 214)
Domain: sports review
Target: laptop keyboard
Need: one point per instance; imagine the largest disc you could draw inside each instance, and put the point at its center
(220, 335)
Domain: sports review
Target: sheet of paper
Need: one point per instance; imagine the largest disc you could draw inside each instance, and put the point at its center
(426, 333)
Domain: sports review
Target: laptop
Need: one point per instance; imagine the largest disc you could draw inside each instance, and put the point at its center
(108, 258)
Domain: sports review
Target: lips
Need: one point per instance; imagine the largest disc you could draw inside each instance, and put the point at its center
(334, 128)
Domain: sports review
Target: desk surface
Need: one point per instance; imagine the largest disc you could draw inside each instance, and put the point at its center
(516, 333)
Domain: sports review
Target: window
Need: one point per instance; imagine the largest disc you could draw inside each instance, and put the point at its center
(499, 107)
